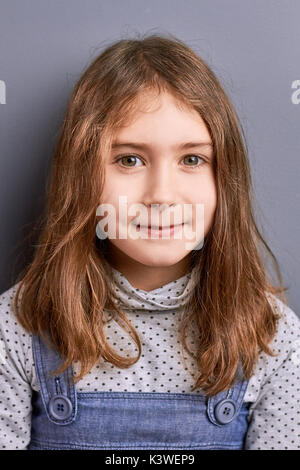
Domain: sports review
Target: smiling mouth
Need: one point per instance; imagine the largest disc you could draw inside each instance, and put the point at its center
(158, 227)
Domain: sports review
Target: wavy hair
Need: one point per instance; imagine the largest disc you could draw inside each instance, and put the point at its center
(67, 287)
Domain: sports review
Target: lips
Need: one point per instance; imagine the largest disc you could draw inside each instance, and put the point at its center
(158, 227)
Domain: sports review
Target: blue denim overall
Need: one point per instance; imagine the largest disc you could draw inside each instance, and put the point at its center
(64, 419)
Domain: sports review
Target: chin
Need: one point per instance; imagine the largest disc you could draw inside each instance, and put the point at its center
(157, 258)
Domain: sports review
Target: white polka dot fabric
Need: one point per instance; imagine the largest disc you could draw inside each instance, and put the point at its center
(273, 390)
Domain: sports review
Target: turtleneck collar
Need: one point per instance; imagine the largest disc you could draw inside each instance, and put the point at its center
(167, 297)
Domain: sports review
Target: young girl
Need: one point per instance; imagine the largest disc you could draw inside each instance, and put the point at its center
(173, 341)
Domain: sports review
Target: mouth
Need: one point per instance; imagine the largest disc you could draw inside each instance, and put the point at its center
(160, 227)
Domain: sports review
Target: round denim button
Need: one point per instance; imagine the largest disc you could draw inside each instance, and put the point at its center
(225, 411)
(60, 407)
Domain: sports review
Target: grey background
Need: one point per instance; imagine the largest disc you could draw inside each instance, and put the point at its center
(252, 46)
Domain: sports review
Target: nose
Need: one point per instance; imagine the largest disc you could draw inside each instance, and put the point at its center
(160, 187)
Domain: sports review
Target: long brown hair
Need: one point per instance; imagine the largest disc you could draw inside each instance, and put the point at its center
(67, 290)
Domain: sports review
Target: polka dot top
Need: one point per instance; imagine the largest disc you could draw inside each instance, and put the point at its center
(273, 391)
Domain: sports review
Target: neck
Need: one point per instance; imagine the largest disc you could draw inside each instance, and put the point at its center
(145, 277)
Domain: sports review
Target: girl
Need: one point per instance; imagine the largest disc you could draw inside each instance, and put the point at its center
(165, 338)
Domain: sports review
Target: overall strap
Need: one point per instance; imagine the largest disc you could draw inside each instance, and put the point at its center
(58, 392)
(225, 406)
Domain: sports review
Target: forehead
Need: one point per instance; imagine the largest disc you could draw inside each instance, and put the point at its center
(151, 100)
(151, 108)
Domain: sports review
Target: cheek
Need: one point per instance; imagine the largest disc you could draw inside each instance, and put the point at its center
(211, 197)
(114, 187)
(205, 192)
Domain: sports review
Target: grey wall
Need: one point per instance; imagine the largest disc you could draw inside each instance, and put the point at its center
(252, 46)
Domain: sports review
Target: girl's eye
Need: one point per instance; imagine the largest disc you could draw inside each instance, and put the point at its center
(193, 158)
(131, 160)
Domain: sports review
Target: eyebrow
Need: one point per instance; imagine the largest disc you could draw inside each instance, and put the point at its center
(141, 145)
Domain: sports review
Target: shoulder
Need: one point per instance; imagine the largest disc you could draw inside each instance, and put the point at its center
(286, 347)
(15, 377)
(287, 336)
(8, 319)
(273, 389)
(15, 341)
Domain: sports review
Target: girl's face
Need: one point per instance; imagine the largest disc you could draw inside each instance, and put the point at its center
(149, 165)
